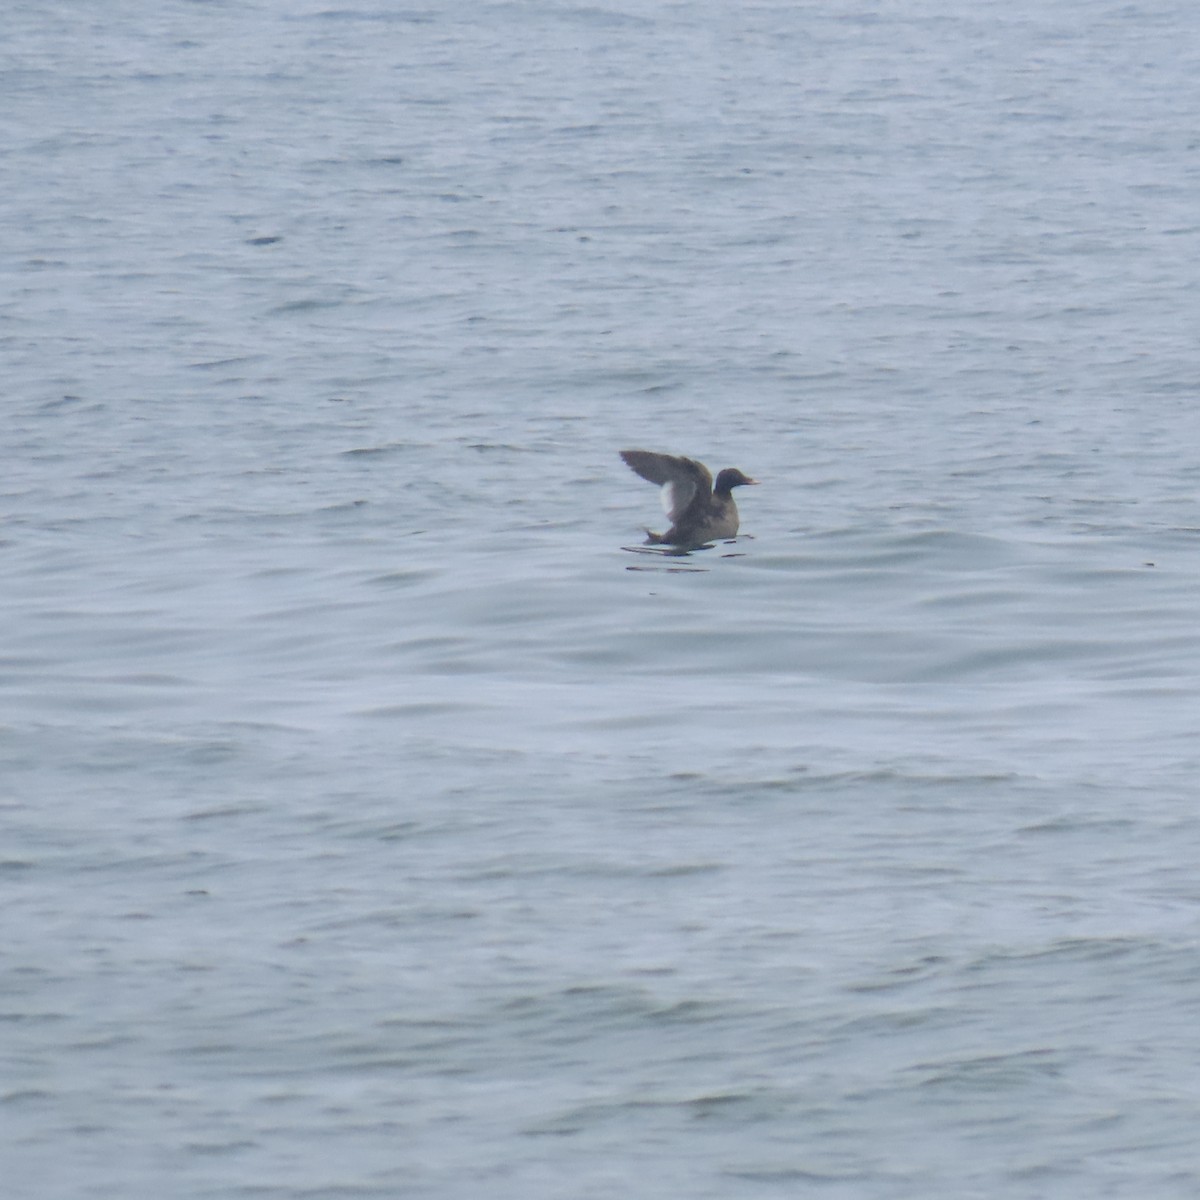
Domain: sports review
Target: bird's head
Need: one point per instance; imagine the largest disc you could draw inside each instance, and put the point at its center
(730, 478)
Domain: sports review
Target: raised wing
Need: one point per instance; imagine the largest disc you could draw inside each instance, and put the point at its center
(680, 478)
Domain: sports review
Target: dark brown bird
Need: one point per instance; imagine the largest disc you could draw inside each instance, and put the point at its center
(699, 512)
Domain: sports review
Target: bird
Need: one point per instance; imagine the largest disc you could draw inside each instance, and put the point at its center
(699, 511)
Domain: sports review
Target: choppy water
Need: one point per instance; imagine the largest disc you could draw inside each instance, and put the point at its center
(375, 824)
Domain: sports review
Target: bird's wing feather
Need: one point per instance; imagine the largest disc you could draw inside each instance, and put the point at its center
(674, 498)
(680, 478)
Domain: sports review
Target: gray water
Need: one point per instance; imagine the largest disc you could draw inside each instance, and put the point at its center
(376, 823)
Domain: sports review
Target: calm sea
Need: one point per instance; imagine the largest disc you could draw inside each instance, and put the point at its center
(377, 822)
